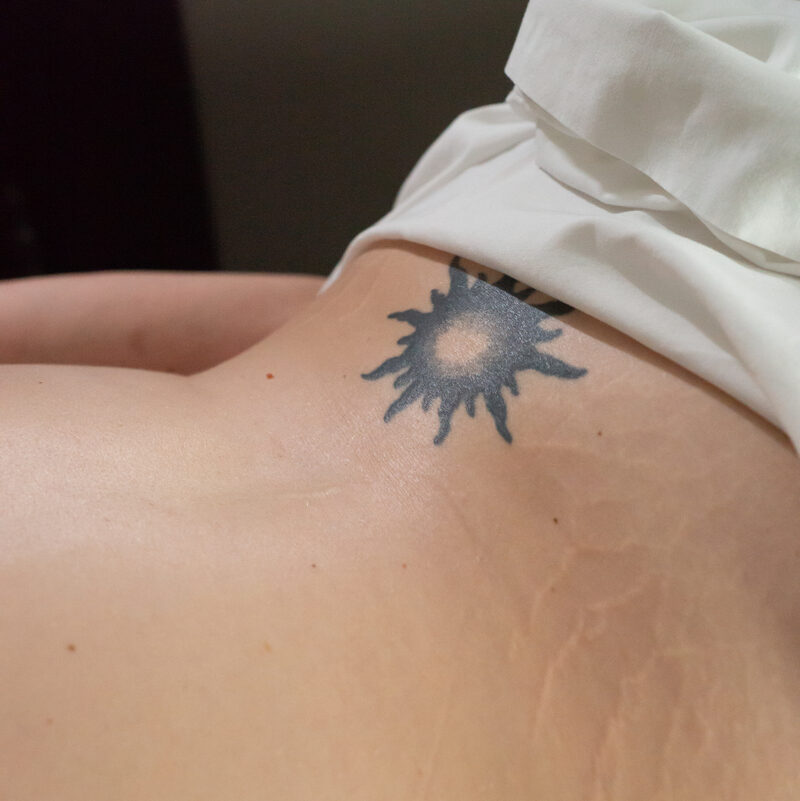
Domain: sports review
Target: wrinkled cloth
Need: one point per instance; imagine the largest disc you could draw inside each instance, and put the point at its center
(645, 168)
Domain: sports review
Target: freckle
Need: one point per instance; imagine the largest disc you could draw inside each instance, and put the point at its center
(41, 382)
(599, 433)
(269, 375)
(555, 520)
(313, 565)
(267, 647)
(71, 647)
(49, 721)
(404, 565)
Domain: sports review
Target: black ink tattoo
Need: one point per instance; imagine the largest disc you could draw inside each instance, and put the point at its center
(473, 341)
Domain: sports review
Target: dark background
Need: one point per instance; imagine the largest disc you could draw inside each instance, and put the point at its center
(217, 134)
(100, 165)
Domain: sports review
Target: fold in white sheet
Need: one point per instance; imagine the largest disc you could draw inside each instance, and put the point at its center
(703, 97)
(645, 169)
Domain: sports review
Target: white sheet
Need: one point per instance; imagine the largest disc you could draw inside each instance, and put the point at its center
(646, 170)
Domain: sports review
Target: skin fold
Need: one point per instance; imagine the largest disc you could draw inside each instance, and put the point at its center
(254, 582)
(177, 322)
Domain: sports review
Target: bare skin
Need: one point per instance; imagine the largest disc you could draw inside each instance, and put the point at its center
(235, 586)
(174, 322)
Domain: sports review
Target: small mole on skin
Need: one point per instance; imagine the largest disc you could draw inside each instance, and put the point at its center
(269, 375)
(267, 647)
(71, 647)
(555, 520)
(404, 565)
(313, 565)
(599, 433)
(49, 721)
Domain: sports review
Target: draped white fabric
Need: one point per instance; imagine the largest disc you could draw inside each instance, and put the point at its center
(646, 169)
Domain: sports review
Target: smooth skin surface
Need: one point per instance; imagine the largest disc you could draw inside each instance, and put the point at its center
(174, 322)
(235, 586)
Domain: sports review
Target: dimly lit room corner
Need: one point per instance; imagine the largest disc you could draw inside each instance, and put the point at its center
(248, 136)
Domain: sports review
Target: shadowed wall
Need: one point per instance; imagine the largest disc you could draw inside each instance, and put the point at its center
(313, 113)
(100, 163)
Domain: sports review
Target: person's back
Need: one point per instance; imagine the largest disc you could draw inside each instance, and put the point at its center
(277, 579)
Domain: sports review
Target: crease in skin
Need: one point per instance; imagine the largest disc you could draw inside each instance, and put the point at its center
(606, 767)
(466, 527)
(534, 608)
(620, 644)
(712, 691)
(366, 302)
(629, 699)
(534, 720)
(604, 762)
(670, 742)
(490, 570)
(697, 749)
(624, 597)
(446, 709)
(678, 531)
(368, 279)
(610, 380)
(310, 494)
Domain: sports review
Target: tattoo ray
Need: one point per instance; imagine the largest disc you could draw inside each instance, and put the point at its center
(409, 396)
(548, 336)
(445, 414)
(436, 297)
(497, 408)
(403, 379)
(550, 365)
(389, 366)
(408, 316)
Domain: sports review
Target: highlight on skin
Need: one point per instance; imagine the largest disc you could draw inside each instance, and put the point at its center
(473, 342)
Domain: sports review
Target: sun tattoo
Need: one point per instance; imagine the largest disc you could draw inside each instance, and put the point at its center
(473, 342)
